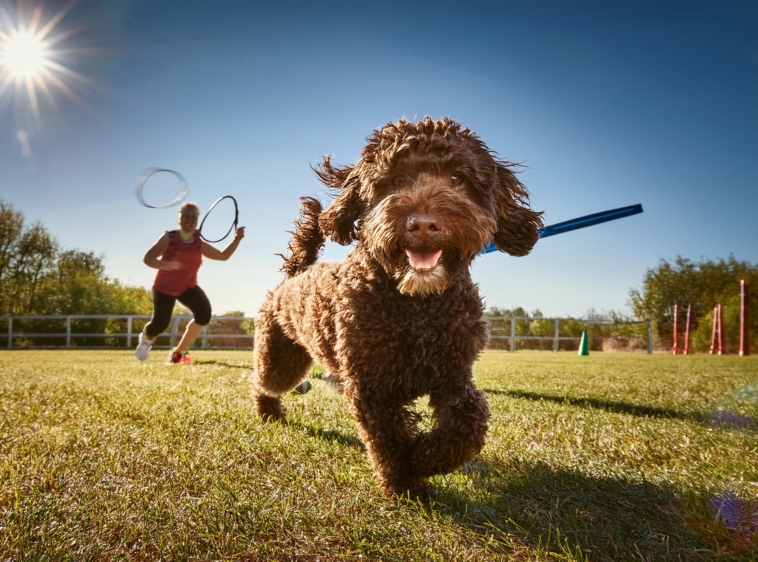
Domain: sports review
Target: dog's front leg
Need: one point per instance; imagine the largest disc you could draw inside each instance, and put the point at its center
(387, 430)
(461, 416)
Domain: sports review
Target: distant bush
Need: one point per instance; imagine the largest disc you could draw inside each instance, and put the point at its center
(238, 325)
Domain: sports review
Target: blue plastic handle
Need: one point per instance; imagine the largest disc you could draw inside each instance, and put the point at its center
(580, 222)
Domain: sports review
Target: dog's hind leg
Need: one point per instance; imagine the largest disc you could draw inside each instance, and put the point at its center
(461, 416)
(280, 365)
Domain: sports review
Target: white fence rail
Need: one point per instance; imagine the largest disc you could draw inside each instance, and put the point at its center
(18, 338)
(15, 338)
(556, 338)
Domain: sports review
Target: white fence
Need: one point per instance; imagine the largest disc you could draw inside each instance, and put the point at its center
(121, 329)
(513, 337)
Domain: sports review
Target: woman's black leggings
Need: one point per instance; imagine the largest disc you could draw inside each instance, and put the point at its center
(163, 306)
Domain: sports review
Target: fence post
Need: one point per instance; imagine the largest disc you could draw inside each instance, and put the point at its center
(10, 332)
(556, 341)
(68, 331)
(513, 334)
(650, 337)
(129, 332)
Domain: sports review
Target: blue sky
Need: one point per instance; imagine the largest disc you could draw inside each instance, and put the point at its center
(607, 104)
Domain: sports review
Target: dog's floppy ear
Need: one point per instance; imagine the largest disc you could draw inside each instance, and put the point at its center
(517, 224)
(338, 221)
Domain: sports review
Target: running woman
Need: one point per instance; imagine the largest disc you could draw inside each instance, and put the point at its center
(177, 255)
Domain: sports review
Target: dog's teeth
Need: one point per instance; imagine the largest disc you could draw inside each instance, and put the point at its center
(420, 259)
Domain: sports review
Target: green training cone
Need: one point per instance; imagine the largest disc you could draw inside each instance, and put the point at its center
(584, 347)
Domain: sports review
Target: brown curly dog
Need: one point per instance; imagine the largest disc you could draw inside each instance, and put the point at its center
(399, 318)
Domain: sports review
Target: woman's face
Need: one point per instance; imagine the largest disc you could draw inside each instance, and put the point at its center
(188, 219)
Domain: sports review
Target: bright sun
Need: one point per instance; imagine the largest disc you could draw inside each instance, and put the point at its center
(24, 55)
(35, 58)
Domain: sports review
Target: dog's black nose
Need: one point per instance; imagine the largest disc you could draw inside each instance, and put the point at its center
(422, 225)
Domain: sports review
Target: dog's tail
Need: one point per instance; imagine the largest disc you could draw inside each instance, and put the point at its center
(307, 239)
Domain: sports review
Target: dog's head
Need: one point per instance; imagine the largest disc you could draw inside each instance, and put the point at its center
(424, 199)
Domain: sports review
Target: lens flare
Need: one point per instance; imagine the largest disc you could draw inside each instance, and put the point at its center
(23, 56)
(34, 57)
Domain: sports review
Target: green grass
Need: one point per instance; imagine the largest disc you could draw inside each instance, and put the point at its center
(606, 457)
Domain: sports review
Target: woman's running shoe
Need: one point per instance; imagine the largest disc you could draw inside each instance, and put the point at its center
(176, 358)
(143, 347)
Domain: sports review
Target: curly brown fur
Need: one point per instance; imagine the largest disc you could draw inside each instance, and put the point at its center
(399, 318)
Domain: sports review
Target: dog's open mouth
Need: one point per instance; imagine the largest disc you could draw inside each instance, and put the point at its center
(423, 259)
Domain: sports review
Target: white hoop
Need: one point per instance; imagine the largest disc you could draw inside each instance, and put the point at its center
(143, 177)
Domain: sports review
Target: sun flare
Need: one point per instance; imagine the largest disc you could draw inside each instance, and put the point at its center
(35, 59)
(24, 55)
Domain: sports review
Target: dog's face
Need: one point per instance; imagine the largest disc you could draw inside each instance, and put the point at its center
(424, 199)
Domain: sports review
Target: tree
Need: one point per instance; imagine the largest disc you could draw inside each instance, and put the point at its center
(702, 285)
(33, 259)
(11, 227)
(75, 285)
(127, 299)
(37, 277)
(236, 324)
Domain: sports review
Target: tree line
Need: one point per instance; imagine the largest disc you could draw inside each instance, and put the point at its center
(39, 277)
(702, 285)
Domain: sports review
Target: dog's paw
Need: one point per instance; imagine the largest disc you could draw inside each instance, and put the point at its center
(270, 408)
(417, 490)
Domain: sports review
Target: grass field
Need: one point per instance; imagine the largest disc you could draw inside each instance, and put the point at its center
(606, 457)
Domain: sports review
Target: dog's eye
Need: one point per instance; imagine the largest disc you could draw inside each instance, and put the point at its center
(456, 180)
(400, 182)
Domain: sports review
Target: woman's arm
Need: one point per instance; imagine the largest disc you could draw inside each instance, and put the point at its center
(156, 251)
(223, 255)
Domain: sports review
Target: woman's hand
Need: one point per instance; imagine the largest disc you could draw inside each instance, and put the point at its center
(214, 254)
(170, 265)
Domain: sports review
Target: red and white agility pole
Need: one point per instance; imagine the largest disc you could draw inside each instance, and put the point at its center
(676, 320)
(717, 339)
(717, 334)
(744, 327)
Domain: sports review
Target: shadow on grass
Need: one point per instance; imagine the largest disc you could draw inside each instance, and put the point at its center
(224, 364)
(720, 417)
(328, 435)
(581, 517)
(565, 512)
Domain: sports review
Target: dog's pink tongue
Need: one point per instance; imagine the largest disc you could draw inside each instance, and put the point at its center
(420, 259)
